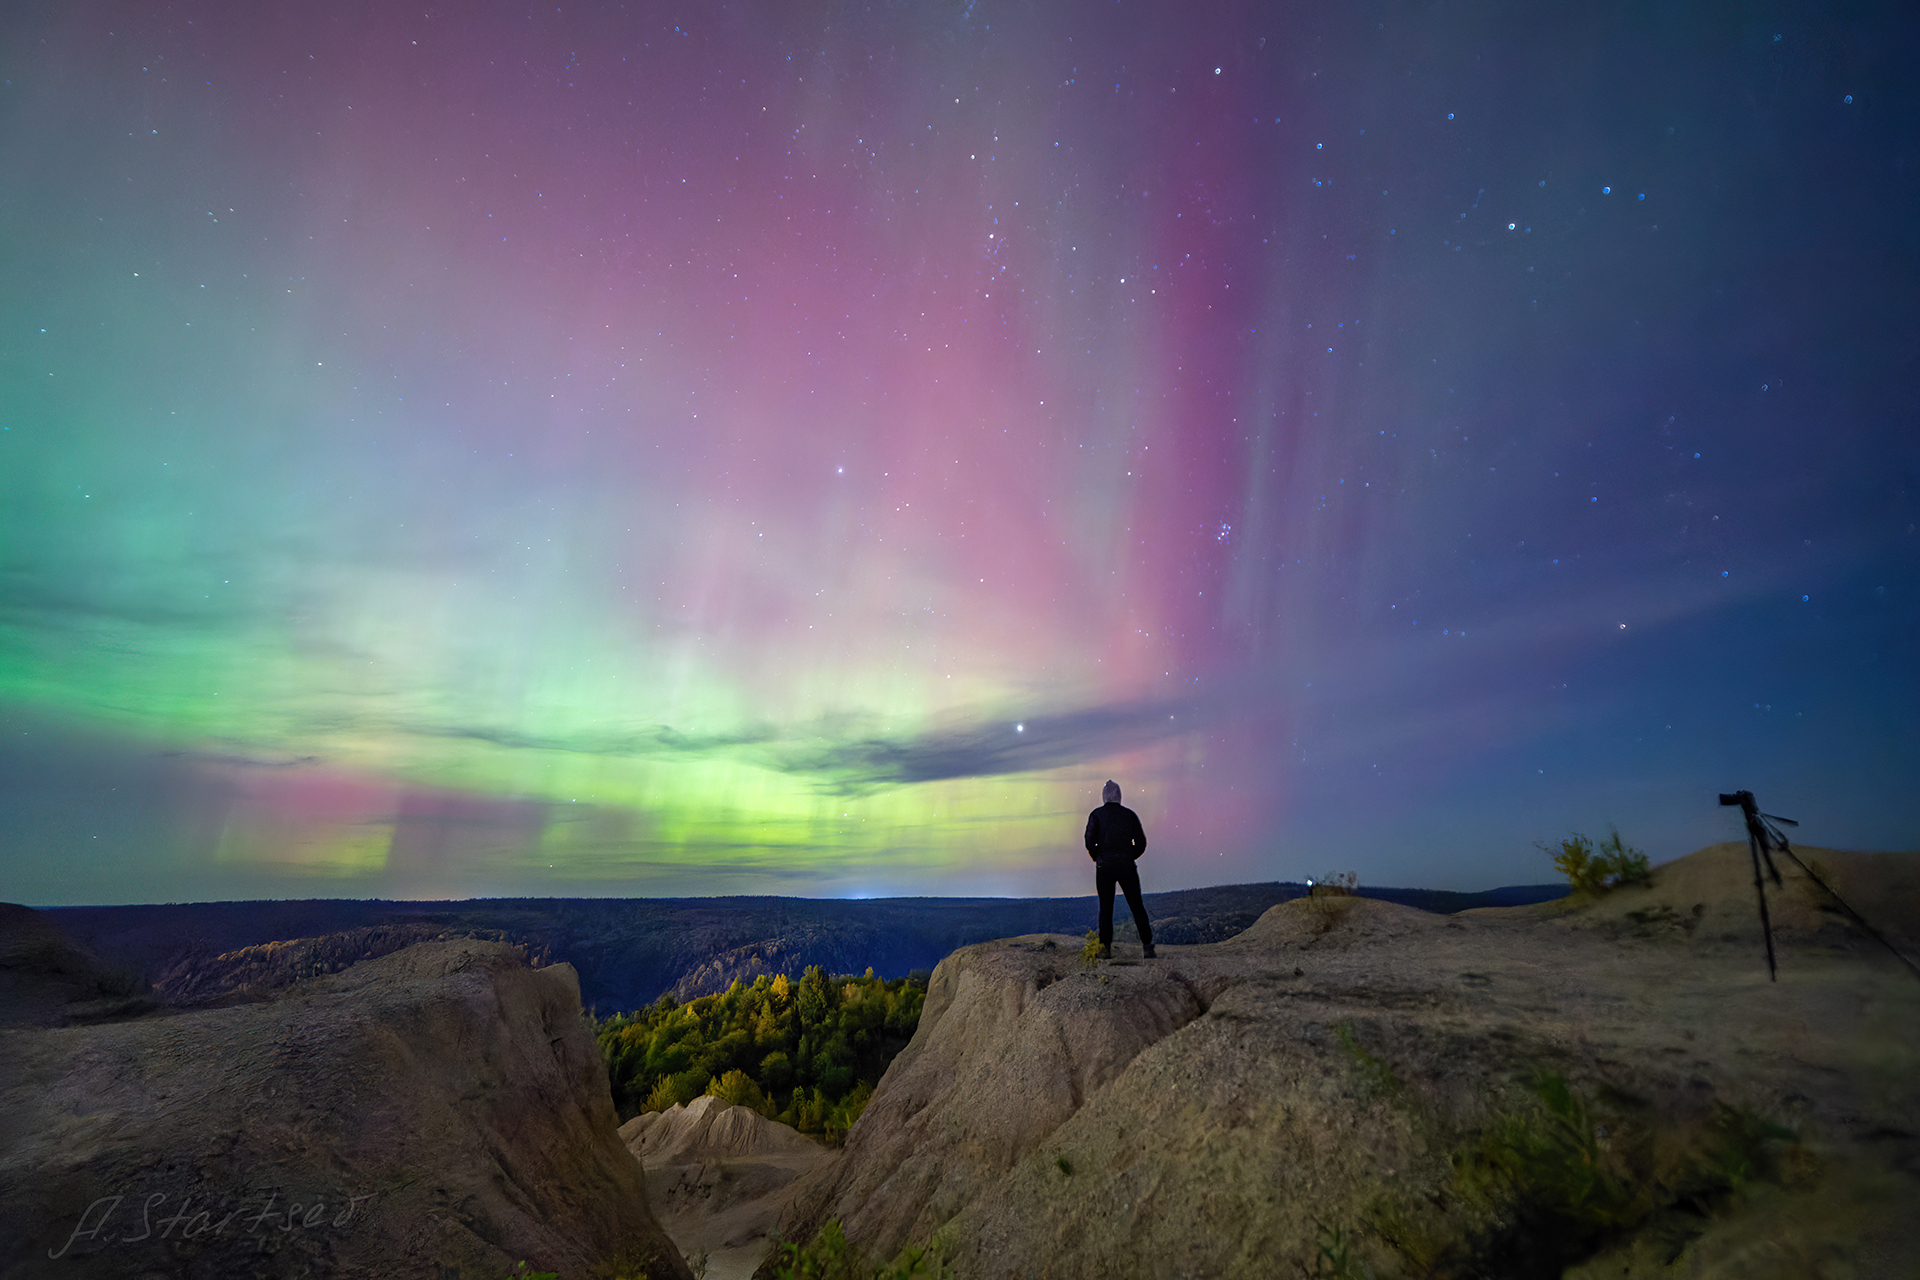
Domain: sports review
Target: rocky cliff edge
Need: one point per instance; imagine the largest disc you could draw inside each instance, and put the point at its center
(440, 1111)
(1351, 1084)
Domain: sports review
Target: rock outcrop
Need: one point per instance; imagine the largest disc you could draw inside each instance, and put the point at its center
(718, 1176)
(439, 1111)
(269, 966)
(1329, 1084)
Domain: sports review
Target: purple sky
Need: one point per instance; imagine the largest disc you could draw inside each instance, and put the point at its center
(807, 448)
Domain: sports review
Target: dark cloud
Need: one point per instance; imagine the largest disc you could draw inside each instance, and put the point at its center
(981, 748)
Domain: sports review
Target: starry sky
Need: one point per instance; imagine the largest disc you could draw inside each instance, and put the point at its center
(807, 447)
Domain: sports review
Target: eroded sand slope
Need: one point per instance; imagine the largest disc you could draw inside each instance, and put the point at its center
(718, 1177)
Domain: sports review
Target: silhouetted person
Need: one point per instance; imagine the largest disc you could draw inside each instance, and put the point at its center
(1115, 839)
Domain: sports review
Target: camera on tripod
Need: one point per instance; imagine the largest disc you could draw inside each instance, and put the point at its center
(1763, 837)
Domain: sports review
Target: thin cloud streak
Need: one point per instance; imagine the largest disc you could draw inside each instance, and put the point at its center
(981, 748)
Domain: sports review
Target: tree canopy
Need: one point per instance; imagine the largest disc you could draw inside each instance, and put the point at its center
(806, 1053)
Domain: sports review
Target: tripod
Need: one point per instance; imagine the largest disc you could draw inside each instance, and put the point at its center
(1762, 838)
(1760, 834)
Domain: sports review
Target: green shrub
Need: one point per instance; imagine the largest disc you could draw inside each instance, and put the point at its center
(1626, 864)
(1592, 870)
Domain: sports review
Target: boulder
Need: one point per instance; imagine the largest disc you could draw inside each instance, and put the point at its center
(439, 1111)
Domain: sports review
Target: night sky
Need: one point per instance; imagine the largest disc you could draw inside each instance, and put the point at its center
(711, 448)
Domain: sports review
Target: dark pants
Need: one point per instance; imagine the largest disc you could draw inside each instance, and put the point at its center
(1127, 876)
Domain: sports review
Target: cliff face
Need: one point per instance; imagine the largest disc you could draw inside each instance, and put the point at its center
(1350, 1079)
(439, 1111)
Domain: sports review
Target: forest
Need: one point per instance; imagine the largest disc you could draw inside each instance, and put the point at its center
(805, 1053)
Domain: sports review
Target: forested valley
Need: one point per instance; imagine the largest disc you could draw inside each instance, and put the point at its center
(805, 1053)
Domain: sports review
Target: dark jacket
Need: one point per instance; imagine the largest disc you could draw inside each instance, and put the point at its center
(1114, 834)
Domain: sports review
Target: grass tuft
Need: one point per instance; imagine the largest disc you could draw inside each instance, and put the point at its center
(1335, 1257)
(1376, 1077)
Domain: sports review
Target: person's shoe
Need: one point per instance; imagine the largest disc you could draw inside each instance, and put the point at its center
(1148, 953)
(1106, 953)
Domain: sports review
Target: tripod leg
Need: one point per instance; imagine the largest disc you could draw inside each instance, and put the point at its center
(1766, 854)
(1760, 888)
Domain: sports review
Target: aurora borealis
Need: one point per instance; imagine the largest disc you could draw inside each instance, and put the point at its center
(668, 449)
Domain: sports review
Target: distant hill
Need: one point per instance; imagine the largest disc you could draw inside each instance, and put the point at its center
(630, 951)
